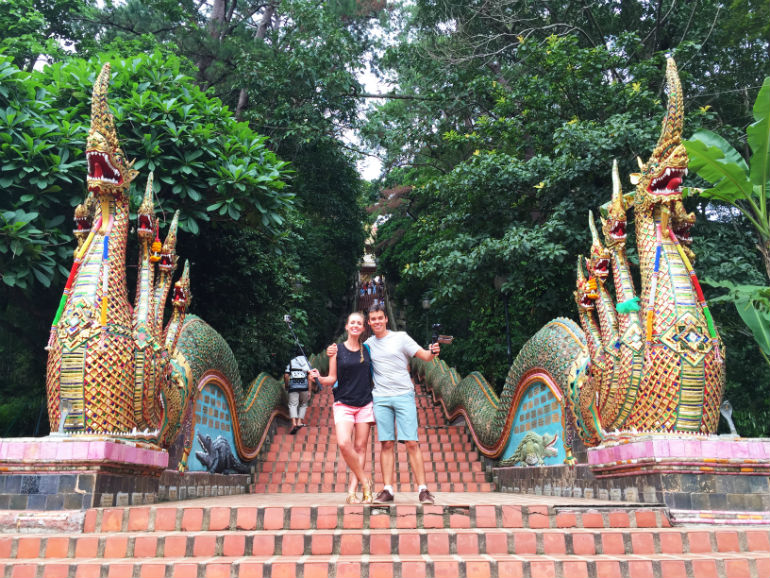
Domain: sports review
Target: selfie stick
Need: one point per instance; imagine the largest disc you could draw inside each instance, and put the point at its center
(288, 321)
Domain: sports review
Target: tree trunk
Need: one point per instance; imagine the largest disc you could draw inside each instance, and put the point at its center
(267, 19)
(217, 20)
(215, 28)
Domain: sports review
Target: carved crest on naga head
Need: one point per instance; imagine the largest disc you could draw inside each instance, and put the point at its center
(599, 262)
(109, 172)
(585, 291)
(661, 176)
(614, 227)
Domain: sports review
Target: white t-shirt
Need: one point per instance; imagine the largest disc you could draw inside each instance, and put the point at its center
(390, 363)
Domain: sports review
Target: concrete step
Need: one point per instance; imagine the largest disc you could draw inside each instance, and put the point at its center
(447, 513)
(341, 486)
(291, 473)
(321, 432)
(336, 464)
(439, 456)
(719, 565)
(377, 542)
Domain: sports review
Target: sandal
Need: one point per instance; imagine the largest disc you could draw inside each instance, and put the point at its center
(352, 498)
(368, 487)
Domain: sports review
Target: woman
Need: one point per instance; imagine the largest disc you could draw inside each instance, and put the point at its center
(350, 367)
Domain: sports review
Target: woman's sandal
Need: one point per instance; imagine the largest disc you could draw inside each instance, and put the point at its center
(352, 498)
(368, 487)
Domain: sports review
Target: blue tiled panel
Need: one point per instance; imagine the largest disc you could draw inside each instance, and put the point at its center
(212, 418)
(540, 412)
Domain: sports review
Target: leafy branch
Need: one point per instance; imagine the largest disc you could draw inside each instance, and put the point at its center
(744, 187)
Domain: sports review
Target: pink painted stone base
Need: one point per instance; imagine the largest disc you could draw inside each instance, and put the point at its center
(57, 453)
(681, 454)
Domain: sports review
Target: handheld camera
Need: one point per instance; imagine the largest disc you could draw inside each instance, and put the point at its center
(438, 338)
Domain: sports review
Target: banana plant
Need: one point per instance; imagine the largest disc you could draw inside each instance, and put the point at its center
(745, 187)
(753, 305)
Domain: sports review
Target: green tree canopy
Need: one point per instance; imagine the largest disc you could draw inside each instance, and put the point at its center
(508, 120)
(215, 170)
(206, 164)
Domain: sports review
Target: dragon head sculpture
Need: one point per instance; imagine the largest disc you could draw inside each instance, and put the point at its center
(168, 256)
(585, 293)
(681, 223)
(599, 262)
(661, 176)
(84, 216)
(175, 398)
(182, 295)
(83, 220)
(109, 172)
(615, 225)
(145, 228)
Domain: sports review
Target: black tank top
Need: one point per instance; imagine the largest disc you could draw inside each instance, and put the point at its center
(354, 386)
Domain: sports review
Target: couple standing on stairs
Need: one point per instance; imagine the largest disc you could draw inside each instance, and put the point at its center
(382, 360)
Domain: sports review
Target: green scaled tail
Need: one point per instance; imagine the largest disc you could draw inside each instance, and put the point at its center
(549, 360)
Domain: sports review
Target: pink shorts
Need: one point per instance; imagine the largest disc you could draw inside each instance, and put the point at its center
(344, 412)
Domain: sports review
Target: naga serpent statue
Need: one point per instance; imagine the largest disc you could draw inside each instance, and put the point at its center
(114, 369)
(648, 363)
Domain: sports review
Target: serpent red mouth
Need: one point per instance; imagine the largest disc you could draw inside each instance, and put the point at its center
(602, 267)
(145, 224)
(668, 183)
(82, 224)
(180, 296)
(166, 261)
(618, 230)
(682, 232)
(101, 170)
(587, 301)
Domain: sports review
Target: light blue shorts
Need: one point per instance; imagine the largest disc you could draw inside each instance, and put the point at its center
(398, 410)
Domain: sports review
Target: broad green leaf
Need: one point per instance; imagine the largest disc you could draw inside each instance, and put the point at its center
(711, 139)
(192, 226)
(753, 305)
(758, 135)
(44, 279)
(730, 179)
(55, 221)
(758, 321)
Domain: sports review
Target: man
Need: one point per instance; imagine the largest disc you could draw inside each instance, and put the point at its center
(394, 403)
(297, 380)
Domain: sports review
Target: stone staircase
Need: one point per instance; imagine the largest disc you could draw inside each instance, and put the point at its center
(309, 461)
(189, 540)
(294, 525)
